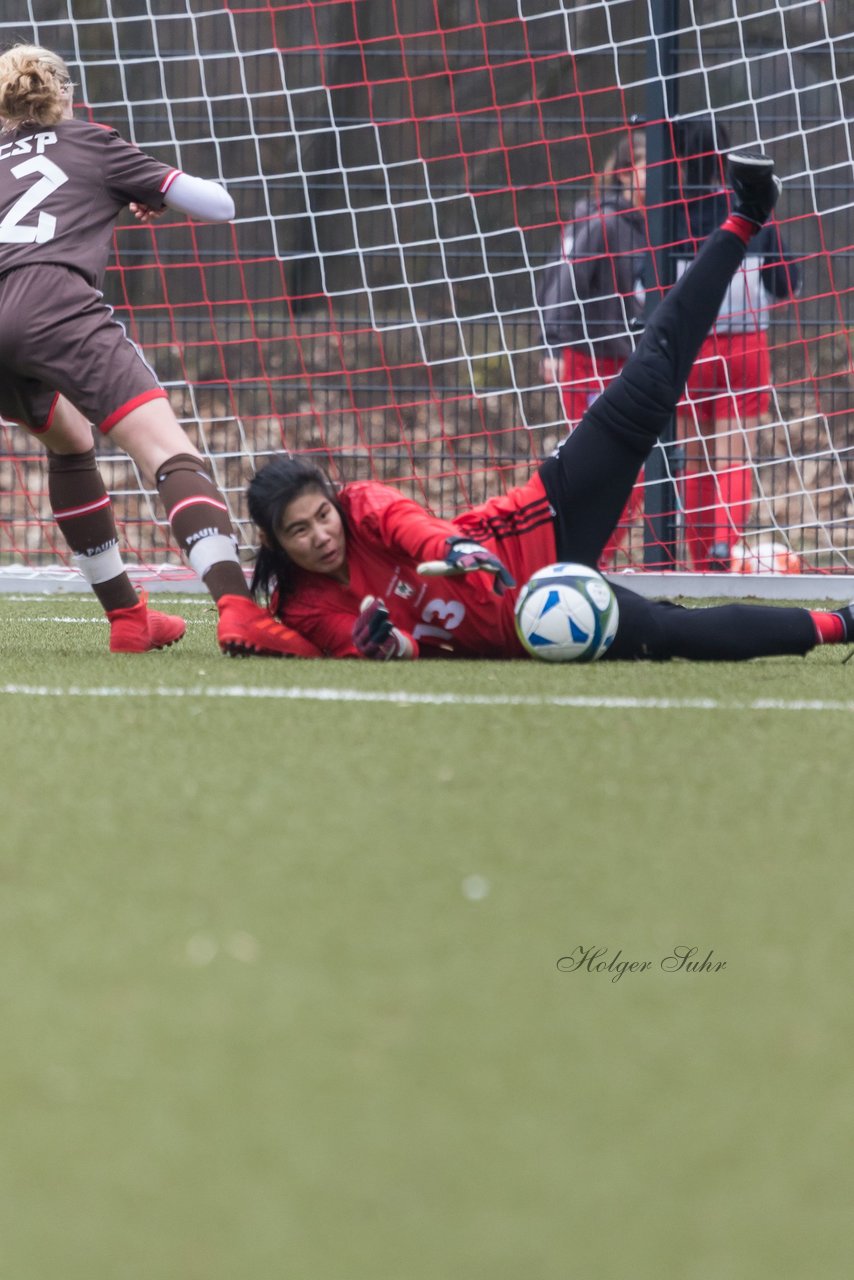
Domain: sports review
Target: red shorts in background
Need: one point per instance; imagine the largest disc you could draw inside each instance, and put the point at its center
(584, 379)
(730, 384)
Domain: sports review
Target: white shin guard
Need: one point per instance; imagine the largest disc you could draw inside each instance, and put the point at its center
(215, 548)
(101, 567)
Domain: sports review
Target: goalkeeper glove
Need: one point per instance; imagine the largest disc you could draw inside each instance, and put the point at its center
(374, 635)
(465, 556)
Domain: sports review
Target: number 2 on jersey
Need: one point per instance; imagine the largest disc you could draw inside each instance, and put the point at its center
(52, 177)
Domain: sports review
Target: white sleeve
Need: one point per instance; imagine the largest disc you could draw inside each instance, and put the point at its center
(202, 199)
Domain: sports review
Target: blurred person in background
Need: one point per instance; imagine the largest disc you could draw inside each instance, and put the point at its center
(592, 296)
(729, 388)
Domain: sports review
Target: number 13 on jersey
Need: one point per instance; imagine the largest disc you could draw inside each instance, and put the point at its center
(448, 612)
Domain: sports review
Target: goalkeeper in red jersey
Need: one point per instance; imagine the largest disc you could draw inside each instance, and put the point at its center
(66, 363)
(348, 569)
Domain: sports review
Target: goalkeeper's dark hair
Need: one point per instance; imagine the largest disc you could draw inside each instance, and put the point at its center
(270, 492)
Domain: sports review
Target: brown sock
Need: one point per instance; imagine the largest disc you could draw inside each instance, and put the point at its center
(200, 524)
(84, 514)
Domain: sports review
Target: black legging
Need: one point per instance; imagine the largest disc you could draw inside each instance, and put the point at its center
(590, 478)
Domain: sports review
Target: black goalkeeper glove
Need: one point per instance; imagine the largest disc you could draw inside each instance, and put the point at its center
(754, 184)
(374, 635)
(465, 556)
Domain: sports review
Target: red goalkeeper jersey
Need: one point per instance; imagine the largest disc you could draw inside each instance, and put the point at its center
(388, 536)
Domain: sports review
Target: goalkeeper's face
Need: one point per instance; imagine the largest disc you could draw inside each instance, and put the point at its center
(311, 534)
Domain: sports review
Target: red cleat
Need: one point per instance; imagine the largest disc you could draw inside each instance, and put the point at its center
(140, 629)
(245, 629)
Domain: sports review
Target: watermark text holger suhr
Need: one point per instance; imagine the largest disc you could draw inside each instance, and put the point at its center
(681, 959)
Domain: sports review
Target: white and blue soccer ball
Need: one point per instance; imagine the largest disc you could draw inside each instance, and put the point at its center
(567, 613)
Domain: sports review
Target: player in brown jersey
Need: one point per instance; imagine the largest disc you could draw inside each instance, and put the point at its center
(348, 568)
(66, 364)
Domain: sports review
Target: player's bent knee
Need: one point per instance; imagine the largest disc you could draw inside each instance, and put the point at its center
(153, 436)
(84, 460)
(181, 462)
(642, 633)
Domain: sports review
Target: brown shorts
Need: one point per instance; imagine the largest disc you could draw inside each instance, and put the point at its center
(58, 336)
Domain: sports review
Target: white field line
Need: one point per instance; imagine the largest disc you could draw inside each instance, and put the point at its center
(161, 599)
(405, 698)
(100, 622)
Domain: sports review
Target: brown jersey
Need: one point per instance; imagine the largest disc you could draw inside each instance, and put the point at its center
(61, 189)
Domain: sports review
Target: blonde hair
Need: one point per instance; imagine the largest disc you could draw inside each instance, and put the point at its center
(35, 86)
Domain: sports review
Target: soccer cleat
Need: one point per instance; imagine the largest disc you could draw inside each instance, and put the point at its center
(140, 629)
(245, 629)
(754, 185)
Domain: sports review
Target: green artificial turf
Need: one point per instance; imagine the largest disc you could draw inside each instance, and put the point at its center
(281, 993)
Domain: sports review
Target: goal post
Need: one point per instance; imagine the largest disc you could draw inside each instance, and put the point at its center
(404, 172)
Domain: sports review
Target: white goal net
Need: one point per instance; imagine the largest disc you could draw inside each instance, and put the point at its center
(407, 174)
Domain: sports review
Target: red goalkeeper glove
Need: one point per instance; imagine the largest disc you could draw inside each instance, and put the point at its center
(375, 636)
(465, 556)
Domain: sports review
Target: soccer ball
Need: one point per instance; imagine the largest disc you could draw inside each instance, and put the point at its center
(566, 613)
(766, 555)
